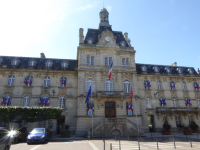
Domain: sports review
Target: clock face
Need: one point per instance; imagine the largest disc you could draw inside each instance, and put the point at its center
(107, 38)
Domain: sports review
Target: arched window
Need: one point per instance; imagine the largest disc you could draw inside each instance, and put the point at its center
(65, 64)
(61, 103)
(127, 86)
(159, 83)
(6, 101)
(175, 102)
(26, 100)
(15, 62)
(46, 81)
(11, 80)
(109, 85)
(44, 100)
(198, 102)
(184, 86)
(148, 101)
(89, 81)
(1, 60)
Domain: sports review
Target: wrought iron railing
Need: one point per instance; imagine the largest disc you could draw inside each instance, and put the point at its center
(177, 109)
(110, 93)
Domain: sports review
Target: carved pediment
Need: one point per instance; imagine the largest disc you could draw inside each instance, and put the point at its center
(110, 43)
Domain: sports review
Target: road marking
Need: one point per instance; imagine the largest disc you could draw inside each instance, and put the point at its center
(93, 146)
(35, 147)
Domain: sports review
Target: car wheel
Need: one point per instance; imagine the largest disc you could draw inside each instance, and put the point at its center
(28, 143)
(7, 148)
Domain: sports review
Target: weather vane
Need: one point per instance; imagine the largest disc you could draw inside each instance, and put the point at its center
(198, 71)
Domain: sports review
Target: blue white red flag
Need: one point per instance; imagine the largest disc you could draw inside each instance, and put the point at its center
(93, 107)
(25, 81)
(188, 102)
(162, 102)
(9, 101)
(88, 95)
(196, 86)
(110, 70)
(40, 101)
(147, 84)
(46, 101)
(87, 107)
(63, 82)
(3, 102)
(130, 107)
(29, 81)
(172, 85)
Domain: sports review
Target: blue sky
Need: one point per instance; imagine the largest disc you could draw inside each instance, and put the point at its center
(161, 31)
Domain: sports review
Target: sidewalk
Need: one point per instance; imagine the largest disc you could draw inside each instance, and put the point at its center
(58, 137)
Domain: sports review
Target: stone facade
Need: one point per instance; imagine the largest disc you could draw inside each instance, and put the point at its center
(93, 51)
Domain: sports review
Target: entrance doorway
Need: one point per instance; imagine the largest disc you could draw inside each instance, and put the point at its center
(151, 123)
(60, 124)
(110, 110)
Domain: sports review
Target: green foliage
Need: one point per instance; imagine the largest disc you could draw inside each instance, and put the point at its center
(193, 126)
(67, 127)
(29, 114)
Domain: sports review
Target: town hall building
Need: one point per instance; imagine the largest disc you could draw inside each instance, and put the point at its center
(163, 94)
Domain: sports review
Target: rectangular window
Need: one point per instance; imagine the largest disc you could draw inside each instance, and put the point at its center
(92, 60)
(88, 60)
(159, 85)
(178, 120)
(127, 63)
(110, 60)
(26, 101)
(165, 119)
(11, 80)
(123, 62)
(175, 102)
(198, 102)
(148, 102)
(47, 81)
(190, 117)
(106, 61)
(62, 103)
(184, 86)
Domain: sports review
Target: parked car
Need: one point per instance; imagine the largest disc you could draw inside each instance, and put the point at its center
(5, 139)
(37, 135)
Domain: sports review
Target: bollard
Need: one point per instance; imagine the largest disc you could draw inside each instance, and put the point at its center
(139, 143)
(157, 141)
(174, 141)
(110, 146)
(119, 144)
(190, 141)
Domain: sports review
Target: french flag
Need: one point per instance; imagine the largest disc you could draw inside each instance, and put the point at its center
(3, 101)
(25, 81)
(9, 102)
(93, 107)
(40, 101)
(87, 109)
(29, 81)
(110, 71)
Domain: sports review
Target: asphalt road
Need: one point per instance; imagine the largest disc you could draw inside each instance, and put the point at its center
(99, 145)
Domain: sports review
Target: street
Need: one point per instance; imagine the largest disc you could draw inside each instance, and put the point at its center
(99, 145)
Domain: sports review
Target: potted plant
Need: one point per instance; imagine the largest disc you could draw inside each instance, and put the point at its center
(65, 132)
(179, 126)
(187, 130)
(194, 127)
(166, 129)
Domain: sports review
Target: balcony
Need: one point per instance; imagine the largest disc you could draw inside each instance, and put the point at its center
(112, 94)
(177, 110)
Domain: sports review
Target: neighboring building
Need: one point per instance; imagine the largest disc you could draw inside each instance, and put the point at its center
(160, 92)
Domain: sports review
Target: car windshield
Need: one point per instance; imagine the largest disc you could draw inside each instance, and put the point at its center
(38, 131)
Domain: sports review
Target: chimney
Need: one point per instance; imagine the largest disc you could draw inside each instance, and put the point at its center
(42, 55)
(174, 64)
(127, 39)
(81, 36)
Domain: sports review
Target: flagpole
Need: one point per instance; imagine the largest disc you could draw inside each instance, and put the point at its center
(92, 108)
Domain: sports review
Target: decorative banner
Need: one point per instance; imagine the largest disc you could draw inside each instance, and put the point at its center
(6, 101)
(147, 84)
(63, 82)
(28, 81)
(172, 84)
(196, 86)
(162, 102)
(188, 102)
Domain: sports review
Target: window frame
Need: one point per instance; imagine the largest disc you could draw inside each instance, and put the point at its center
(106, 61)
(88, 81)
(184, 87)
(123, 62)
(148, 102)
(12, 80)
(110, 83)
(178, 120)
(175, 102)
(26, 98)
(61, 102)
(159, 84)
(198, 102)
(47, 81)
(128, 86)
(127, 62)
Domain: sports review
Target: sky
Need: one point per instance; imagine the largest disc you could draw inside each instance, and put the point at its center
(161, 31)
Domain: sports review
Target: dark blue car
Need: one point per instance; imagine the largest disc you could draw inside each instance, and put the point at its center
(37, 135)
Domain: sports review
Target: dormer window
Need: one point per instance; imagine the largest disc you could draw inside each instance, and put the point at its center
(65, 64)
(179, 70)
(90, 41)
(190, 70)
(156, 69)
(167, 69)
(123, 44)
(32, 63)
(144, 68)
(49, 63)
(15, 62)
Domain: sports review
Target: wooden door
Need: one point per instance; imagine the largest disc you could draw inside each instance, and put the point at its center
(110, 110)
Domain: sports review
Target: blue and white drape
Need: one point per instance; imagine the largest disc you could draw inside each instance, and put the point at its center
(196, 86)
(28, 81)
(172, 84)
(187, 102)
(44, 101)
(147, 84)
(6, 100)
(162, 102)
(63, 82)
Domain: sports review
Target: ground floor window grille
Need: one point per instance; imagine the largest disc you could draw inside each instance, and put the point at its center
(42, 124)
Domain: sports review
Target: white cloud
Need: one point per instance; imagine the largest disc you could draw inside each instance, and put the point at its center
(109, 8)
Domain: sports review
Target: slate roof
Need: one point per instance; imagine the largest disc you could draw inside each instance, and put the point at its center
(94, 33)
(173, 69)
(24, 61)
